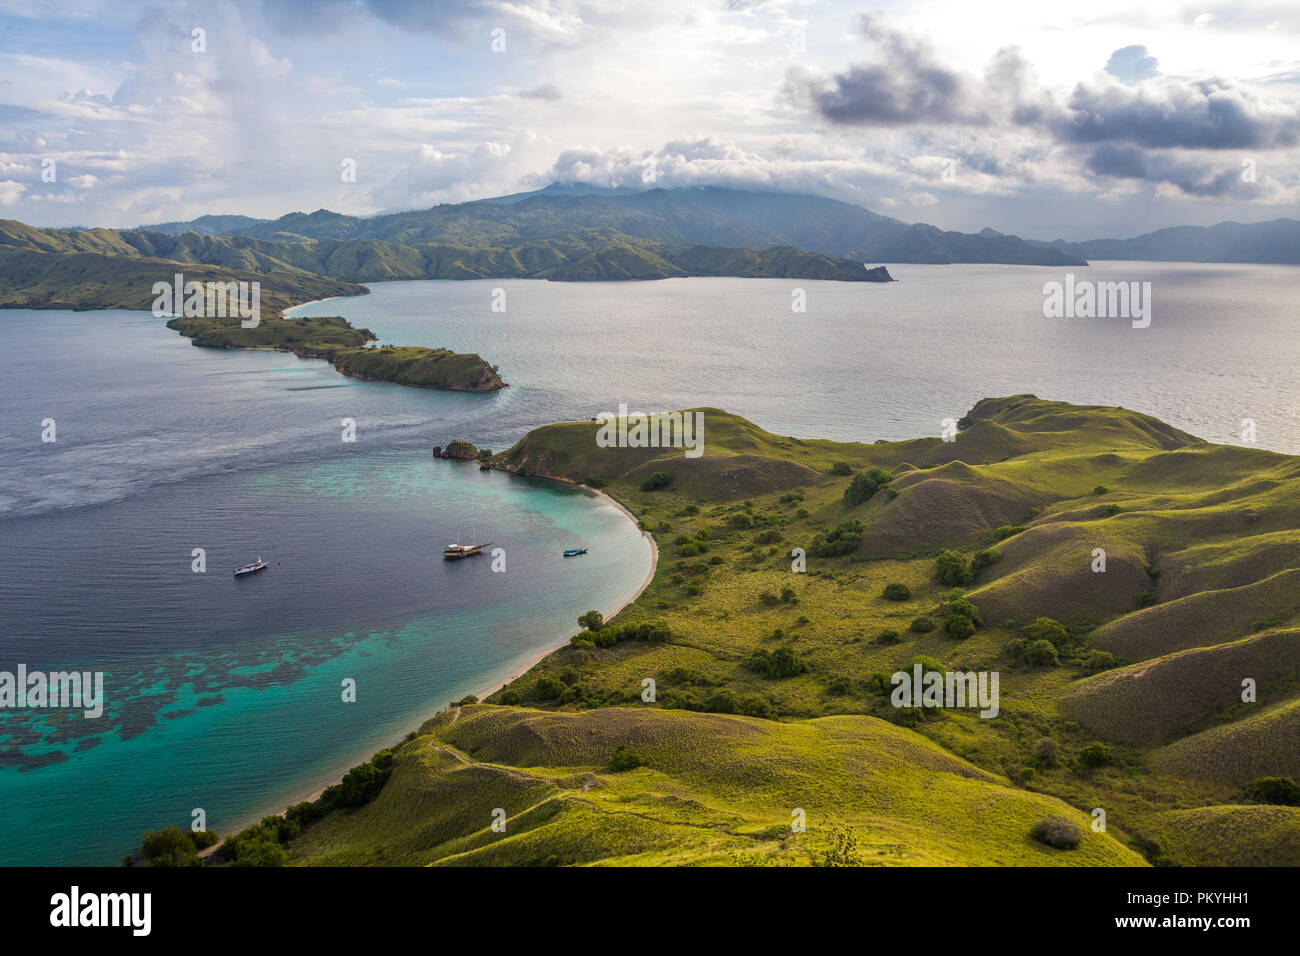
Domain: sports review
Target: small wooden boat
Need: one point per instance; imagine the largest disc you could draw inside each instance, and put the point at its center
(258, 565)
(574, 552)
(454, 552)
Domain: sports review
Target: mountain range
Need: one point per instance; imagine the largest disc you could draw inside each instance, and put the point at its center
(564, 232)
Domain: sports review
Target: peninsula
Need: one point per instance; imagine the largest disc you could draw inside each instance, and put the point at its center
(348, 349)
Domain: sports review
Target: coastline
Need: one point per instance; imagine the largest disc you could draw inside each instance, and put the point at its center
(498, 683)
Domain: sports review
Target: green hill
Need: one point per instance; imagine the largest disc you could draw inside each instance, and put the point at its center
(796, 576)
(105, 268)
(712, 789)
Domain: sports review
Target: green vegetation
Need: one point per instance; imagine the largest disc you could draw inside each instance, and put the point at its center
(172, 846)
(762, 706)
(106, 268)
(331, 338)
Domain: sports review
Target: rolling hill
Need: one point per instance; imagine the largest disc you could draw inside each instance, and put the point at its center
(1121, 683)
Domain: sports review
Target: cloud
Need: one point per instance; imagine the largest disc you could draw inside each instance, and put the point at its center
(1206, 115)
(1132, 64)
(547, 91)
(11, 191)
(903, 84)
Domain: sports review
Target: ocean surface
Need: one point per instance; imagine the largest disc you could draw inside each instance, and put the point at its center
(225, 694)
(868, 360)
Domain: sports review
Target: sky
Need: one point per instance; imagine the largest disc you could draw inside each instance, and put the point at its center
(1047, 120)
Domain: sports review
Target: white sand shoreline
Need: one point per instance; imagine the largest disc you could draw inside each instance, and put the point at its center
(498, 683)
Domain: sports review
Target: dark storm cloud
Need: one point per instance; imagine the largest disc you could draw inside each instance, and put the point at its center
(1132, 64)
(905, 84)
(1125, 162)
(1194, 179)
(1209, 115)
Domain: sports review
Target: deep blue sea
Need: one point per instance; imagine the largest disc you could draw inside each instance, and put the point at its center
(225, 694)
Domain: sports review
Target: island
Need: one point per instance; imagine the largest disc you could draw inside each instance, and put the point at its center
(350, 350)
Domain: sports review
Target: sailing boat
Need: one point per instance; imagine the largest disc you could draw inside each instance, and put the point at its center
(454, 552)
(252, 568)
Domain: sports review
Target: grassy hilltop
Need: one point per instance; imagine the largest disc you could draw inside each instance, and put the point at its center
(1120, 690)
(333, 339)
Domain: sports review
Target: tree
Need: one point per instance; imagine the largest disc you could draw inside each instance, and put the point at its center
(170, 846)
(864, 485)
(660, 479)
(1047, 629)
(897, 591)
(624, 759)
(592, 620)
(1096, 755)
(950, 569)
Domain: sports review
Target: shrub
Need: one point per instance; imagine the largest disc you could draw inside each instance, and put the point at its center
(1035, 653)
(1046, 629)
(755, 707)
(960, 616)
(1046, 751)
(170, 846)
(261, 853)
(888, 637)
(206, 838)
(1282, 791)
(592, 620)
(921, 625)
(361, 784)
(839, 686)
(1057, 832)
(547, 688)
(843, 850)
(742, 521)
(843, 540)
(768, 598)
(897, 591)
(1101, 490)
(1096, 754)
(841, 468)
(1111, 510)
(985, 559)
(1095, 661)
(957, 627)
(1007, 531)
(721, 702)
(624, 759)
(788, 595)
(950, 569)
(864, 485)
(657, 481)
(782, 662)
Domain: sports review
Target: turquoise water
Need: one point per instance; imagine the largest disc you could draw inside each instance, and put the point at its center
(225, 694)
